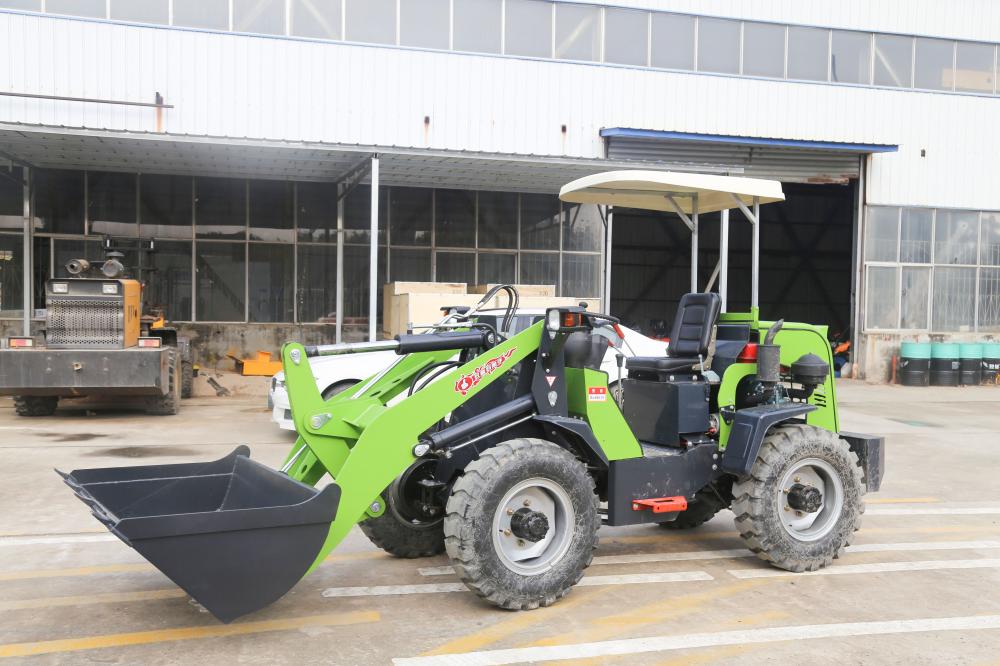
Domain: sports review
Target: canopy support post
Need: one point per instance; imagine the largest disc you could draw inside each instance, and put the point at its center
(694, 244)
(27, 304)
(755, 268)
(339, 336)
(608, 235)
(724, 257)
(373, 254)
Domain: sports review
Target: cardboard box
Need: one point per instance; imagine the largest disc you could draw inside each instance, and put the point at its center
(522, 289)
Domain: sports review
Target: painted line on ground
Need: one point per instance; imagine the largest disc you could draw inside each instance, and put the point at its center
(587, 581)
(901, 500)
(56, 540)
(738, 553)
(184, 633)
(952, 511)
(880, 567)
(88, 599)
(649, 644)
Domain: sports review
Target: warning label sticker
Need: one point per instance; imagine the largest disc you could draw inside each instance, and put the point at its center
(597, 394)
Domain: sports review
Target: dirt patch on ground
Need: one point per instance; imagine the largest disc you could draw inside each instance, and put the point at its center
(142, 451)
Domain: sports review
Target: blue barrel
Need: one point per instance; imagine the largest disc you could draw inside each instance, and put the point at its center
(971, 366)
(946, 360)
(991, 363)
(914, 363)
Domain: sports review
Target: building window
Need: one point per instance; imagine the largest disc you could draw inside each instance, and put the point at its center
(58, 201)
(718, 46)
(271, 211)
(528, 30)
(11, 199)
(540, 268)
(316, 293)
(915, 234)
(626, 36)
(935, 68)
(207, 14)
(11, 275)
(220, 208)
(410, 212)
(357, 215)
(882, 309)
(169, 287)
(271, 282)
(581, 275)
(495, 268)
(881, 234)
(408, 265)
(265, 17)
(477, 25)
(989, 300)
(221, 281)
(808, 53)
(956, 234)
(320, 19)
(893, 61)
(372, 21)
(26, 5)
(87, 8)
(540, 216)
(111, 201)
(498, 220)
(672, 45)
(454, 218)
(424, 23)
(954, 299)
(141, 11)
(583, 228)
(316, 212)
(764, 50)
(989, 254)
(913, 303)
(456, 267)
(974, 67)
(165, 206)
(578, 32)
(851, 57)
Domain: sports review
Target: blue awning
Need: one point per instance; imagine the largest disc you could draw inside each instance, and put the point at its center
(628, 133)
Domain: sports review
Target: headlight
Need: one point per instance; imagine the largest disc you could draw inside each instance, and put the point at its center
(111, 288)
(60, 288)
(552, 320)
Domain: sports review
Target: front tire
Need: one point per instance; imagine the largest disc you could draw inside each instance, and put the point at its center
(170, 403)
(778, 514)
(521, 524)
(35, 405)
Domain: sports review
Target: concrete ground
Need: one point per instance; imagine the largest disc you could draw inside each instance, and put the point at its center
(920, 586)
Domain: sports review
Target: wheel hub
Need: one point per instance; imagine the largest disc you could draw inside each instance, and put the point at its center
(529, 525)
(807, 499)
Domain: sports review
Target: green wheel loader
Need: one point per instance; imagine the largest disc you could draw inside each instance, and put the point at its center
(508, 451)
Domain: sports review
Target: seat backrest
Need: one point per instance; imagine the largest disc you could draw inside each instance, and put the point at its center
(696, 317)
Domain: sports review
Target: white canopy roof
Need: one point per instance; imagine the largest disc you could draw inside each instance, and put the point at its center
(649, 190)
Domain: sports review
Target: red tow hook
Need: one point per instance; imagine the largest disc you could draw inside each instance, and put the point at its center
(661, 504)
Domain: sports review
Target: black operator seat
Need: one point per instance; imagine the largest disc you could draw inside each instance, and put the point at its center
(697, 315)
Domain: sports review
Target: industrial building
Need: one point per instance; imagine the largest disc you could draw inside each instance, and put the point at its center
(287, 157)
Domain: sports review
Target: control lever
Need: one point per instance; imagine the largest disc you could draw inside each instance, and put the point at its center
(620, 398)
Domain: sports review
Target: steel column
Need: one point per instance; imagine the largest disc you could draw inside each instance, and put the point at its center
(755, 256)
(694, 244)
(608, 245)
(339, 335)
(724, 257)
(373, 254)
(27, 304)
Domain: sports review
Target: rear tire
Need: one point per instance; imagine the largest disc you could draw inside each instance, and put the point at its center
(169, 404)
(187, 379)
(32, 405)
(770, 527)
(527, 566)
(399, 531)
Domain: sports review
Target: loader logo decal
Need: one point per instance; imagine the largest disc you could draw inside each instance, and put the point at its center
(469, 381)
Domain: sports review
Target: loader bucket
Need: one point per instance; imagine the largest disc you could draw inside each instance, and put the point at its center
(234, 534)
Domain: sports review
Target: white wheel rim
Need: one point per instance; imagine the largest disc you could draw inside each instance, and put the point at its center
(544, 496)
(820, 475)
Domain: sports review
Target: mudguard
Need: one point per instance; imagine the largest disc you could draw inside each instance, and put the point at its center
(748, 431)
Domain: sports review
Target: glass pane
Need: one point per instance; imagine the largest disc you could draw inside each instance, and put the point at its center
(852, 57)
(477, 25)
(371, 21)
(111, 203)
(456, 267)
(882, 306)
(581, 275)
(626, 36)
(881, 231)
(316, 18)
(424, 23)
(357, 265)
(317, 212)
(220, 208)
(169, 286)
(893, 61)
(455, 225)
(934, 64)
(955, 236)
(498, 220)
(317, 285)
(11, 275)
(718, 45)
(540, 221)
(59, 198)
(497, 268)
(673, 41)
(974, 71)
(261, 16)
(915, 235)
(989, 299)
(539, 268)
(211, 14)
(271, 211)
(271, 279)
(954, 299)
(808, 53)
(28, 5)
(989, 254)
(529, 28)
(165, 206)
(42, 268)
(584, 229)
(221, 281)
(142, 11)
(578, 32)
(915, 288)
(358, 214)
(11, 199)
(764, 49)
(410, 212)
(90, 8)
(410, 265)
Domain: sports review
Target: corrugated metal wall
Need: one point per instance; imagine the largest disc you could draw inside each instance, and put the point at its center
(233, 85)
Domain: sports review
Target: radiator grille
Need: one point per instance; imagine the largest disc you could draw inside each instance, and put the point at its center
(85, 323)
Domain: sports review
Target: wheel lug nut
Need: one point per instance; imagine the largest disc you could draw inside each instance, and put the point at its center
(510, 512)
(527, 502)
(520, 542)
(506, 532)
